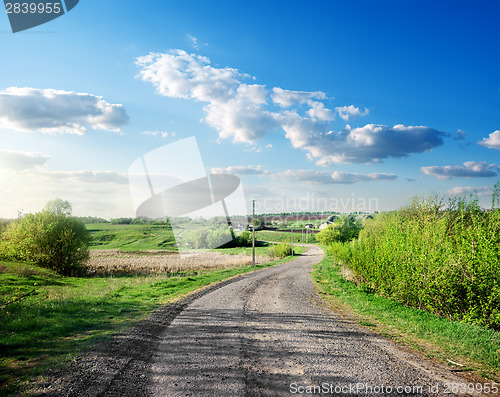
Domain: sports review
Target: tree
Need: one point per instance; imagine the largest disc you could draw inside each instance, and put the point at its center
(244, 239)
(344, 229)
(218, 237)
(59, 207)
(328, 235)
(50, 238)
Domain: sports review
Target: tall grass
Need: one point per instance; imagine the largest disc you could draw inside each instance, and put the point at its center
(115, 262)
(434, 254)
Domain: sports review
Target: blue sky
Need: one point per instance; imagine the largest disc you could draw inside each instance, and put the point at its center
(323, 105)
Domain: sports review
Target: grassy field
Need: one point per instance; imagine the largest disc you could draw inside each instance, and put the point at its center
(157, 237)
(282, 237)
(64, 315)
(476, 348)
(131, 237)
(260, 250)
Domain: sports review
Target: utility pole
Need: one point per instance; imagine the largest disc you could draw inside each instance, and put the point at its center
(291, 237)
(253, 233)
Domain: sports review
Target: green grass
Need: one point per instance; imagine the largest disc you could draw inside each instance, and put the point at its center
(261, 249)
(157, 237)
(131, 237)
(280, 237)
(474, 346)
(69, 314)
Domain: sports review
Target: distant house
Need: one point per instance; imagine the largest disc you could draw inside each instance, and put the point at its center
(309, 226)
(326, 224)
(331, 218)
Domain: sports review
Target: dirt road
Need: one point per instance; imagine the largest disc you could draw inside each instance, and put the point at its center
(263, 334)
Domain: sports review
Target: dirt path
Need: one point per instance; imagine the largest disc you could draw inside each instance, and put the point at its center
(261, 334)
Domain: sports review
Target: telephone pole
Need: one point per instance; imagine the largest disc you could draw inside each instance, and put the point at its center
(253, 233)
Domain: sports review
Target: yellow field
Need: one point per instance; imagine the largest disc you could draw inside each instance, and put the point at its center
(157, 262)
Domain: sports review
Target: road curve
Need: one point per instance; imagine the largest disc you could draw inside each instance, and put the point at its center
(268, 334)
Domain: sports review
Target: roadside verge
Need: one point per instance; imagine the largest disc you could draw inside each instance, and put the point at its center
(473, 351)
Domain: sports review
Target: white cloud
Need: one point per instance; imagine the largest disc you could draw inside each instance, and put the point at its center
(492, 142)
(240, 170)
(55, 111)
(370, 143)
(470, 169)
(242, 117)
(460, 135)
(178, 74)
(194, 40)
(27, 184)
(326, 178)
(481, 191)
(260, 149)
(350, 112)
(240, 112)
(351, 177)
(163, 134)
(310, 176)
(97, 193)
(319, 112)
(287, 98)
(13, 160)
(86, 176)
(234, 109)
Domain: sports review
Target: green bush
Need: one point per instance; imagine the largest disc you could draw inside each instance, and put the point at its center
(345, 228)
(218, 237)
(196, 239)
(48, 239)
(280, 250)
(244, 239)
(437, 255)
(311, 238)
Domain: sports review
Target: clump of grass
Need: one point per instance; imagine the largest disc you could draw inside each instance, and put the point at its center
(283, 237)
(281, 250)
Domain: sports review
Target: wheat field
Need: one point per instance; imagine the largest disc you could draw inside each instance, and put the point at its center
(157, 262)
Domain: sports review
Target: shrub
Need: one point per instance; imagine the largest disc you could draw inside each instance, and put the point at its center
(48, 239)
(280, 250)
(244, 239)
(121, 221)
(196, 239)
(435, 254)
(218, 237)
(345, 228)
(311, 238)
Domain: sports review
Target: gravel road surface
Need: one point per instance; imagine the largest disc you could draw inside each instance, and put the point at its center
(262, 334)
